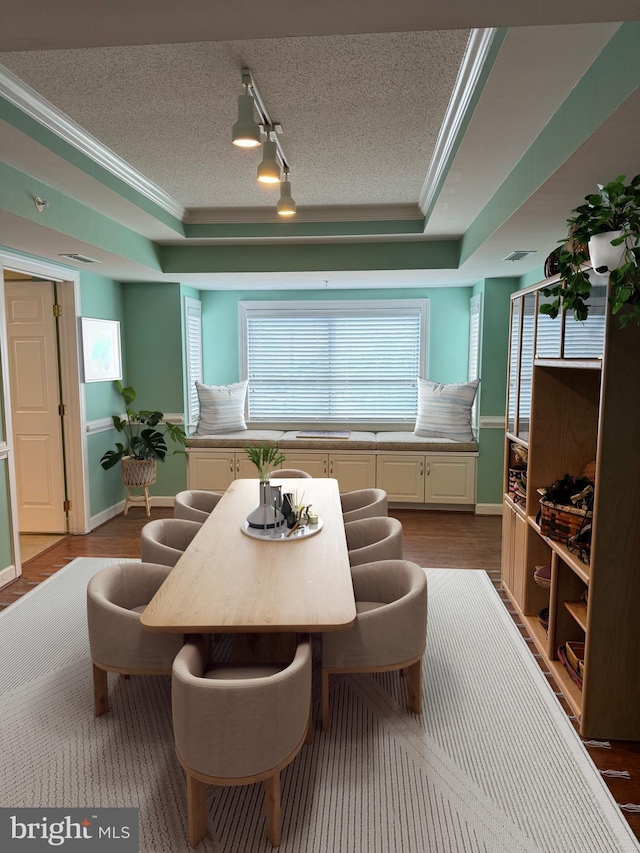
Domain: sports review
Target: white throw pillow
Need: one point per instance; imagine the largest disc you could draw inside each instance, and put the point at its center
(221, 408)
(444, 411)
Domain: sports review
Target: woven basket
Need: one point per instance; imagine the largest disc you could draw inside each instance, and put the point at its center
(138, 472)
(561, 522)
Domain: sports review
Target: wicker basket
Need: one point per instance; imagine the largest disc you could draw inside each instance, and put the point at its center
(561, 522)
(138, 472)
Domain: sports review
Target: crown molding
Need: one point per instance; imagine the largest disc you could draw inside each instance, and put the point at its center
(34, 105)
(480, 42)
(320, 213)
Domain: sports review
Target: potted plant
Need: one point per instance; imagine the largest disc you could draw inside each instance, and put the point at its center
(144, 442)
(265, 459)
(265, 516)
(609, 220)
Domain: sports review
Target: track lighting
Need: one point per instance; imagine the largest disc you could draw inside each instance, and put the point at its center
(246, 131)
(286, 205)
(269, 169)
(246, 134)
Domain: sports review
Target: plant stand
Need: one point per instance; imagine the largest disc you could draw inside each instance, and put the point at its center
(138, 474)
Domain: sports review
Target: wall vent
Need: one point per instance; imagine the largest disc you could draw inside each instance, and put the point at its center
(81, 259)
(519, 254)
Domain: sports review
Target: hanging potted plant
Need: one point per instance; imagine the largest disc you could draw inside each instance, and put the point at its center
(144, 442)
(606, 231)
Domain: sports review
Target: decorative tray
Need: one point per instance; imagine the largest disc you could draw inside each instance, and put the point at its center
(280, 535)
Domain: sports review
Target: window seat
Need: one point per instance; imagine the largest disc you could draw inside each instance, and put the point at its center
(436, 473)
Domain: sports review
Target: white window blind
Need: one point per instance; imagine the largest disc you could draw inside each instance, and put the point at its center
(338, 361)
(475, 304)
(193, 359)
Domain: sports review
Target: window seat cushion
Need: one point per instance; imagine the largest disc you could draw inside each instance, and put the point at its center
(356, 441)
(241, 438)
(410, 442)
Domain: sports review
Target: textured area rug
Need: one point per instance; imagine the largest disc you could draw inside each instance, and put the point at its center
(492, 766)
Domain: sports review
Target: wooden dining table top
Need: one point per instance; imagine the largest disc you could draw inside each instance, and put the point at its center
(227, 581)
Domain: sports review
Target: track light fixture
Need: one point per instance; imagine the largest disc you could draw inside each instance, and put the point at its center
(247, 133)
(286, 205)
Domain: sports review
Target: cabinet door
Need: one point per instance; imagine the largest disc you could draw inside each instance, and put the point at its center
(450, 479)
(213, 470)
(316, 464)
(519, 557)
(245, 469)
(506, 564)
(401, 476)
(353, 471)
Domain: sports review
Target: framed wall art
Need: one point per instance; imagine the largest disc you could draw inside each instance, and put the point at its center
(101, 350)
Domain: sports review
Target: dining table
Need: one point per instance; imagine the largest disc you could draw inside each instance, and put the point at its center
(227, 581)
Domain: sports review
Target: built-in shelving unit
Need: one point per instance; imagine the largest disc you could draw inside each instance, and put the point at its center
(574, 397)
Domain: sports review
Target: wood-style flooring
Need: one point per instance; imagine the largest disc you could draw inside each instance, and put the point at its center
(431, 539)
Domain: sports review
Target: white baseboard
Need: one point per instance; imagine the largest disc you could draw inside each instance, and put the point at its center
(116, 509)
(7, 575)
(488, 509)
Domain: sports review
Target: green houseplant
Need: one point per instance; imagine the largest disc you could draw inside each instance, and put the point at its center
(265, 459)
(144, 440)
(612, 217)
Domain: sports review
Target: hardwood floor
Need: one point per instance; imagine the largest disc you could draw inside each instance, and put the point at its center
(431, 539)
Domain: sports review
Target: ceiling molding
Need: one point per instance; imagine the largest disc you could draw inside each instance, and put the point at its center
(480, 42)
(34, 105)
(321, 213)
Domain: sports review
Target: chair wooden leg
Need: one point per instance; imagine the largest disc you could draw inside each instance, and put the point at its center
(325, 700)
(196, 810)
(415, 687)
(272, 808)
(100, 691)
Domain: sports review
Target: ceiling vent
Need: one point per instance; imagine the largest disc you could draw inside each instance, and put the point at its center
(81, 259)
(519, 254)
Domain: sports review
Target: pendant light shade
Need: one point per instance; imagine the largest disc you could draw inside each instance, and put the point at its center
(246, 131)
(269, 170)
(286, 205)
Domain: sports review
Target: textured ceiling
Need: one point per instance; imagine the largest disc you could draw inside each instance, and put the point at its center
(361, 113)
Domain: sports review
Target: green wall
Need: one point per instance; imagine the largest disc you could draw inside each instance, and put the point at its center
(448, 326)
(153, 336)
(6, 541)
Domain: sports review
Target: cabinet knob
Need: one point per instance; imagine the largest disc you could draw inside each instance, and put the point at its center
(428, 468)
(324, 466)
(231, 465)
(331, 467)
(421, 468)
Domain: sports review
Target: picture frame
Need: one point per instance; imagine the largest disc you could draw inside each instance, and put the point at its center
(101, 350)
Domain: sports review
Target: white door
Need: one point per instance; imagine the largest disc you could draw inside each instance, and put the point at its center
(35, 396)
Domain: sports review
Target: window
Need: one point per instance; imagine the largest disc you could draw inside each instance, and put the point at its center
(475, 307)
(193, 358)
(333, 361)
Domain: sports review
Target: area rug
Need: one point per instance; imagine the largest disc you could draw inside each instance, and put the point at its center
(492, 766)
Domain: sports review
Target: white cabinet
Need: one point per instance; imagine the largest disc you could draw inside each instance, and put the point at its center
(351, 470)
(401, 475)
(430, 478)
(215, 470)
(449, 479)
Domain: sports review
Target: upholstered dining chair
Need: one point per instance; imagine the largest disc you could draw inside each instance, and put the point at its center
(289, 473)
(195, 505)
(238, 724)
(390, 630)
(364, 503)
(116, 596)
(164, 540)
(371, 539)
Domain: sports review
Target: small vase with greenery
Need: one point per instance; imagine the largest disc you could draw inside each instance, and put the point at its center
(265, 459)
(144, 434)
(614, 208)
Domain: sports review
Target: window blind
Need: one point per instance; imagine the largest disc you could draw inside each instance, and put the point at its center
(334, 362)
(193, 360)
(474, 349)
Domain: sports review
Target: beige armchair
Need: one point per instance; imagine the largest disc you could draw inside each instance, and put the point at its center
(166, 539)
(195, 505)
(390, 631)
(289, 474)
(371, 539)
(116, 596)
(238, 724)
(364, 503)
